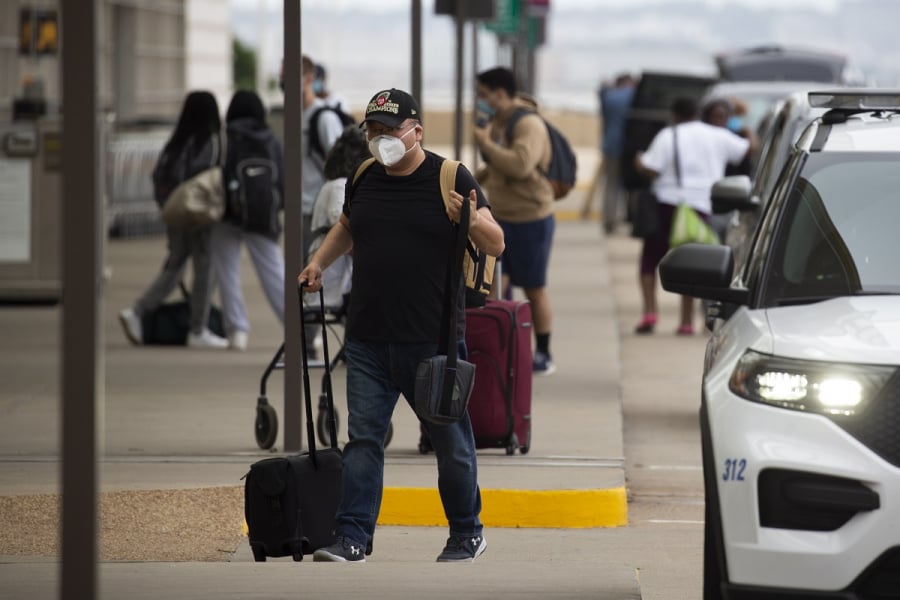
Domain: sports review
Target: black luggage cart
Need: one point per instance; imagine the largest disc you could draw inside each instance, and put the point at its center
(266, 425)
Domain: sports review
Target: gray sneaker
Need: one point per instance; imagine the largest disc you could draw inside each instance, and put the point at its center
(463, 548)
(342, 550)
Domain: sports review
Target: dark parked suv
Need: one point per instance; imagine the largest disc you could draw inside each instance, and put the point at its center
(776, 63)
(650, 112)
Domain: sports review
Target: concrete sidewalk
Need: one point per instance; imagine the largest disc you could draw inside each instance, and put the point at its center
(179, 418)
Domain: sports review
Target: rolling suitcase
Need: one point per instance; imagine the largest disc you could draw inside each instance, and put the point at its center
(498, 338)
(290, 502)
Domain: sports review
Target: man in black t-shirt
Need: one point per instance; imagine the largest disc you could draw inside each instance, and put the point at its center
(396, 224)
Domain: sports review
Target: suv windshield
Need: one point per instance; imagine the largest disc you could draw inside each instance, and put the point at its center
(838, 234)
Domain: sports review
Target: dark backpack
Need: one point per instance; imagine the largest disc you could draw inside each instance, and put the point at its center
(252, 187)
(315, 144)
(563, 163)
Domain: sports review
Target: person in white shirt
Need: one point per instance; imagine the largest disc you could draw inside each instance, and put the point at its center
(683, 176)
(328, 128)
(348, 152)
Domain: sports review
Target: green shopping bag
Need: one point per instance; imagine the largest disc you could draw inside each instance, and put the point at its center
(689, 227)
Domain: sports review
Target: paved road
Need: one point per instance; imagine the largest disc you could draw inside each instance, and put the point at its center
(621, 410)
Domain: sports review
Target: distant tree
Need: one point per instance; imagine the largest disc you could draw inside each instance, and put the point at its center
(244, 66)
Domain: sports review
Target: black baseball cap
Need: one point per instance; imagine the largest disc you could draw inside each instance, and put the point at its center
(392, 107)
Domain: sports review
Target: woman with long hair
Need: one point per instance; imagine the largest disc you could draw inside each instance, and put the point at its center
(194, 146)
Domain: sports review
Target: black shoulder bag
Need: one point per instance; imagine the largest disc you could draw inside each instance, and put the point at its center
(646, 223)
(443, 382)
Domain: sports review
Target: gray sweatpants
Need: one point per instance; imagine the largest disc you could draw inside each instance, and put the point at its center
(265, 253)
(183, 244)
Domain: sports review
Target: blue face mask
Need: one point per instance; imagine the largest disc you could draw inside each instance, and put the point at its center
(735, 123)
(484, 110)
(318, 86)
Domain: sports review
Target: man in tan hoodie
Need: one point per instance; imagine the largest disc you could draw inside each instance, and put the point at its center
(515, 145)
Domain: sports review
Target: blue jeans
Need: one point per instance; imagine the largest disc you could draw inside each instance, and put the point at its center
(377, 373)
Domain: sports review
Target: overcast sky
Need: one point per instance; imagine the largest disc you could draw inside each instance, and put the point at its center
(386, 5)
(636, 35)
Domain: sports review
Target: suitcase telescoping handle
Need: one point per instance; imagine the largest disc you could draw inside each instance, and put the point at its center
(310, 427)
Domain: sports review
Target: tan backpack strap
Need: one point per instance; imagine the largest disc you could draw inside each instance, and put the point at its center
(362, 169)
(448, 181)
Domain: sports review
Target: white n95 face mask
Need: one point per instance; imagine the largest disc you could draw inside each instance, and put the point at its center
(388, 150)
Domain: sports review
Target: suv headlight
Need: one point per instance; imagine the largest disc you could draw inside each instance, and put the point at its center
(820, 387)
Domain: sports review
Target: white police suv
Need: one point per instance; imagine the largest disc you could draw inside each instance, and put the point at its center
(800, 406)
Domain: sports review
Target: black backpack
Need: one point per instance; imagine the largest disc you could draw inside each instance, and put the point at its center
(252, 182)
(563, 163)
(315, 144)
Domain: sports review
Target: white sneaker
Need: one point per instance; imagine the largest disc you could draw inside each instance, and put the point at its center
(131, 325)
(317, 343)
(238, 340)
(206, 339)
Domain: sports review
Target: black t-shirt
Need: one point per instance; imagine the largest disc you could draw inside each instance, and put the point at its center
(402, 239)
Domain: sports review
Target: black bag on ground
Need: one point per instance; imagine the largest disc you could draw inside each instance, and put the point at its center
(290, 502)
(170, 323)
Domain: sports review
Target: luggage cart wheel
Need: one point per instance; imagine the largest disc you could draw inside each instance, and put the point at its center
(512, 445)
(266, 424)
(322, 425)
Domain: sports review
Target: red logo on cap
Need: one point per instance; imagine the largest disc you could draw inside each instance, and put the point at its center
(382, 99)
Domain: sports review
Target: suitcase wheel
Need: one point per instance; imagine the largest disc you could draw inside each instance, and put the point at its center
(259, 554)
(266, 427)
(524, 448)
(512, 445)
(298, 556)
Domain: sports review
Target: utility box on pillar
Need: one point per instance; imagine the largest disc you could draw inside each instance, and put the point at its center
(30, 211)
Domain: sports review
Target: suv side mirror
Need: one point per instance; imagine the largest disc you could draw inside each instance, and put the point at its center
(701, 271)
(733, 193)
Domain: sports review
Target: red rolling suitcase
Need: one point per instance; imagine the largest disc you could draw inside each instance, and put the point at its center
(498, 339)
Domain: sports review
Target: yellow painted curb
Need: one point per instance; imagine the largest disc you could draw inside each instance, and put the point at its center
(575, 215)
(512, 508)
(554, 509)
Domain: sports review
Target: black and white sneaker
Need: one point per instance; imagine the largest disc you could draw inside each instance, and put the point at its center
(463, 548)
(342, 550)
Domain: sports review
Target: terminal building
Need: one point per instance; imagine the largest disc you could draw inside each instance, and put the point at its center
(152, 52)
